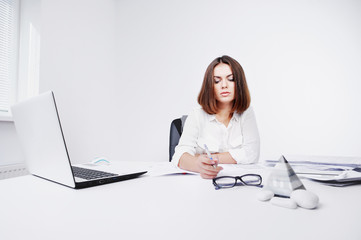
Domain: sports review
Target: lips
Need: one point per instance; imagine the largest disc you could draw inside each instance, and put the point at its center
(225, 94)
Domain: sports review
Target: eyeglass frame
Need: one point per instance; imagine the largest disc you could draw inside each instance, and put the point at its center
(236, 179)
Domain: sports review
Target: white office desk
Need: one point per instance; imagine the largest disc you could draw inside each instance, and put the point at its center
(170, 207)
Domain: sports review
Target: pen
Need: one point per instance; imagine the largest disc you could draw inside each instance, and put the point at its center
(209, 155)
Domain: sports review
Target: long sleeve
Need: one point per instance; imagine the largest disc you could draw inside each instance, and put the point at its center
(188, 141)
(249, 150)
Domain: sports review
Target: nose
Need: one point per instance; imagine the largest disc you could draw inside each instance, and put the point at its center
(224, 83)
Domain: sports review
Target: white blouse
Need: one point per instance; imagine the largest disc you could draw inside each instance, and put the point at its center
(240, 138)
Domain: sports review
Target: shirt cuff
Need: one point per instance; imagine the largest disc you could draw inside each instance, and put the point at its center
(243, 157)
(178, 154)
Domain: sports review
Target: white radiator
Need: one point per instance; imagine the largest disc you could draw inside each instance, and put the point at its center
(13, 170)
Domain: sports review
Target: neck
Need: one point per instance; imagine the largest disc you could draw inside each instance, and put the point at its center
(224, 113)
(224, 109)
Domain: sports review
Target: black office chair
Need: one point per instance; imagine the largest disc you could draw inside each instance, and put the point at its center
(176, 129)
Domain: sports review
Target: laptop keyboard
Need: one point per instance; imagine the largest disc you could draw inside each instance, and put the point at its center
(90, 174)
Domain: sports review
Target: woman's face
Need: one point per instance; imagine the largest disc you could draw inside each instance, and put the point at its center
(223, 83)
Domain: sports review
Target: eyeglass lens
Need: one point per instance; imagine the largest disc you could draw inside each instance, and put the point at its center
(225, 182)
(251, 179)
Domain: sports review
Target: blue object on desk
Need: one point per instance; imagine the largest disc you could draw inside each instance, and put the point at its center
(101, 161)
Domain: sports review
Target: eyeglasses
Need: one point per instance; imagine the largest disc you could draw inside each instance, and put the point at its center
(229, 182)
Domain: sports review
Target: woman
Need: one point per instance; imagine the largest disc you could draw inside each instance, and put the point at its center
(226, 123)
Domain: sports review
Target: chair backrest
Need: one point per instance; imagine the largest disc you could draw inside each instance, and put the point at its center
(176, 129)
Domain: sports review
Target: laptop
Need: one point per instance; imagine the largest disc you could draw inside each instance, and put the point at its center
(38, 126)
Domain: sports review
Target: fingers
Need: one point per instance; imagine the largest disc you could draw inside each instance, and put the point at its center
(209, 172)
(208, 168)
(206, 174)
(204, 159)
(205, 163)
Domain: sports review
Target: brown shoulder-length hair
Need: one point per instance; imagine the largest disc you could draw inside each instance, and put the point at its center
(242, 98)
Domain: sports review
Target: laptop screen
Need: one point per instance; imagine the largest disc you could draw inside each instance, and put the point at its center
(39, 129)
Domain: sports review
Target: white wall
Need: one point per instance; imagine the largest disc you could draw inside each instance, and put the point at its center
(10, 148)
(122, 70)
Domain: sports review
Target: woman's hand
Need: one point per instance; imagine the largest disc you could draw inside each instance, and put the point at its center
(207, 167)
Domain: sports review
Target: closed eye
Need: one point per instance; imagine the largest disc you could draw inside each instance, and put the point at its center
(217, 80)
(230, 77)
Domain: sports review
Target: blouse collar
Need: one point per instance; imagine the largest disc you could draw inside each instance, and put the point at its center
(236, 117)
